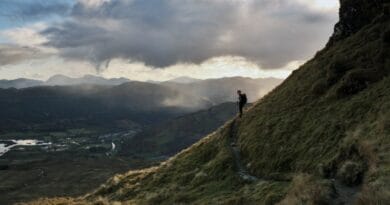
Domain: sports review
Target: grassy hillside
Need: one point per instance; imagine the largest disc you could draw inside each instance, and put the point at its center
(322, 137)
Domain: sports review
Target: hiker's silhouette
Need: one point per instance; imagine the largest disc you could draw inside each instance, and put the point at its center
(242, 100)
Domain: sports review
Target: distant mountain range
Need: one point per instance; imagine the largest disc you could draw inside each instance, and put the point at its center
(52, 107)
(183, 80)
(216, 91)
(97, 80)
(87, 79)
(114, 103)
(20, 83)
(61, 80)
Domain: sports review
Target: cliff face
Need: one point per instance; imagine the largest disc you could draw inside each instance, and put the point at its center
(321, 137)
(355, 14)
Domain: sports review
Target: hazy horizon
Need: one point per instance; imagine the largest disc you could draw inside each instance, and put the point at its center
(145, 80)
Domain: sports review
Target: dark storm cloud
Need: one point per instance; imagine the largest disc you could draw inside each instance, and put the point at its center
(27, 10)
(165, 32)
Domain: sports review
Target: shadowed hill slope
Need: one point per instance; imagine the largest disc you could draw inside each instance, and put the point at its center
(322, 137)
(52, 107)
(168, 138)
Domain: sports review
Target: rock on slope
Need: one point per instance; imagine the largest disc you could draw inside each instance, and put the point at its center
(322, 137)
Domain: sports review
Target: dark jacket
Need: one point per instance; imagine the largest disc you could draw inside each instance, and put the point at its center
(242, 99)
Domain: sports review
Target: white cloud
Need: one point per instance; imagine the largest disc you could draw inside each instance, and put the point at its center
(28, 37)
(322, 4)
(45, 68)
(93, 3)
(12, 54)
(226, 66)
(24, 44)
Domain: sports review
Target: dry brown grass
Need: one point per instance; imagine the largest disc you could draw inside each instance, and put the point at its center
(306, 189)
(373, 195)
(56, 201)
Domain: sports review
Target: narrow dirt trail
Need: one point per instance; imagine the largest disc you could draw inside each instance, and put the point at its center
(241, 169)
(344, 195)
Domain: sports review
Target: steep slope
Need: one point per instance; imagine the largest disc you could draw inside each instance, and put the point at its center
(322, 137)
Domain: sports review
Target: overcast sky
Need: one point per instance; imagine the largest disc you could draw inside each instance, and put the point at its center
(161, 39)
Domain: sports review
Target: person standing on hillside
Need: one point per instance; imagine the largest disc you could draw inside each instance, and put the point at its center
(242, 100)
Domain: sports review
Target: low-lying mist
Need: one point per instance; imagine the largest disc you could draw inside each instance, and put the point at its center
(48, 107)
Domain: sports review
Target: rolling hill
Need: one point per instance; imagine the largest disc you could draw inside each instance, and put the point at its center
(169, 137)
(321, 137)
(53, 107)
(20, 83)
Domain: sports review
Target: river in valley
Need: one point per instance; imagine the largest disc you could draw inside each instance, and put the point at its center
(7, 145)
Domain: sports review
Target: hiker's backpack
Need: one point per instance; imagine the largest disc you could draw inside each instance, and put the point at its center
(243, 98)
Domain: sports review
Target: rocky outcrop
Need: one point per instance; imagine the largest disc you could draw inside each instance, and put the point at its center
(355, 14)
